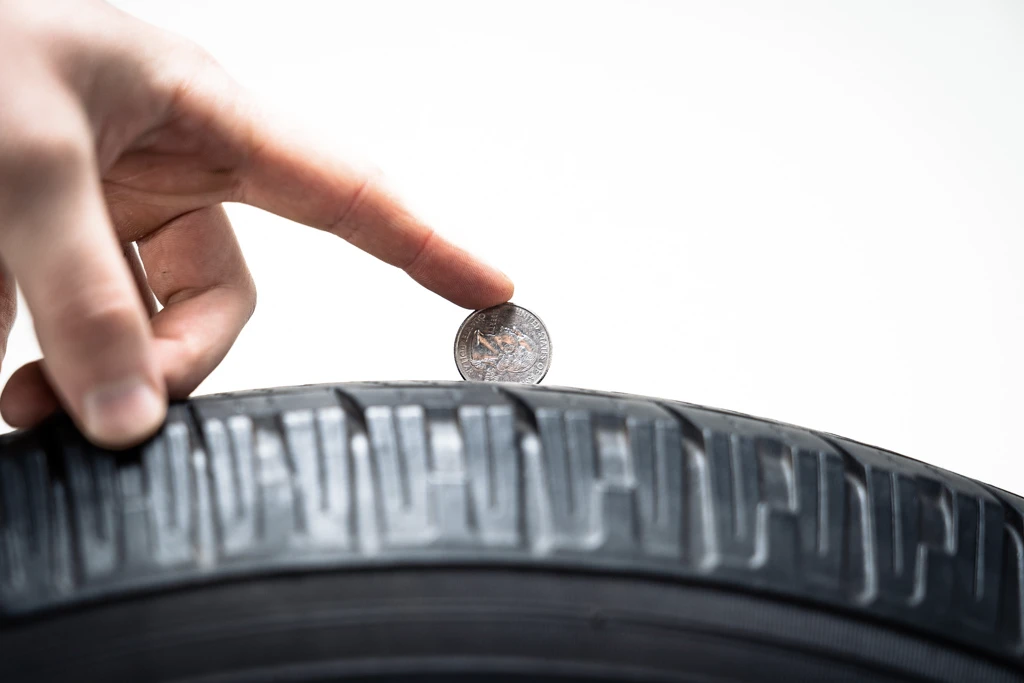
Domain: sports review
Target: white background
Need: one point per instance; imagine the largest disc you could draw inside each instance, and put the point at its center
(808, 211)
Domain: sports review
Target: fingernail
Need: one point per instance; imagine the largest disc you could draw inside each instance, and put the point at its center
(122, 413)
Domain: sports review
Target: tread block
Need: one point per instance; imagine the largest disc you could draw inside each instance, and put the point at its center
(170, 483)
(938, 538)
(493, 471)
(399, 461)
(778, 502)
(318, 449)
(602, 474)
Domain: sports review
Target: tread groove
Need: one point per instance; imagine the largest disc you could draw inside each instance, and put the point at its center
(367, 517)
(859, 536)
(697, 531)
(897, 525)
(288, 451)
(49, 442)
(526, 441)
(822, 516)
(204, 489)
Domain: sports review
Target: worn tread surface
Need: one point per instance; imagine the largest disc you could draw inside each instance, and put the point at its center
(383, 474)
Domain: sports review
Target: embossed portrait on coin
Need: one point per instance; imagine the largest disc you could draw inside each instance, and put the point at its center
(504, 343)
(508, 350)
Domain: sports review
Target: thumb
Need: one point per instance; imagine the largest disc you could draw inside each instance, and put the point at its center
(89, 319)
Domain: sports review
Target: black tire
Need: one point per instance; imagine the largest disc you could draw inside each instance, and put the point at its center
(344, 532)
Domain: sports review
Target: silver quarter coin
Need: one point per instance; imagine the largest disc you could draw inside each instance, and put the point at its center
(504, 343)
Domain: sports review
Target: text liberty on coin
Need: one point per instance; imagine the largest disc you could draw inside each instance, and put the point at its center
(505, 343)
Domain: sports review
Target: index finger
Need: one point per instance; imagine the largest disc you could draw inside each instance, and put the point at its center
(289, 175)
(290, 179)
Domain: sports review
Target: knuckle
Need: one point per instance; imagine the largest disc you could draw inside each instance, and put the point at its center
(41, 155)
(346, 224)
(190, 66)
(8, 314)
(39, 166)
(414, 262)
(180, 52)
(201, 57)
(102, 325)
(251, 296)
(54, 152)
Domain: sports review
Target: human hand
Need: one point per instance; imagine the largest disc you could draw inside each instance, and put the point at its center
(113, 131)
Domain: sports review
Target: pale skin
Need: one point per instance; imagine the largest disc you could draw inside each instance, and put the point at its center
(114, 132)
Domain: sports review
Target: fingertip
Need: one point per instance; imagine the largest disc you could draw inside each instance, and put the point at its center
(496, 288)
(460, 277)
(123, 413)
(27, 399)
(485, 287)
(507, 288)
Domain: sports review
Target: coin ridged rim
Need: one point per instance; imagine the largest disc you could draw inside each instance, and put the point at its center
(458, 335)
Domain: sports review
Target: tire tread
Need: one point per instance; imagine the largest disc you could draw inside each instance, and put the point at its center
(360, 475)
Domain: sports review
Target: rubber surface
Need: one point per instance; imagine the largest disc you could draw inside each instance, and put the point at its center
(362, 475)
(329, 626)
